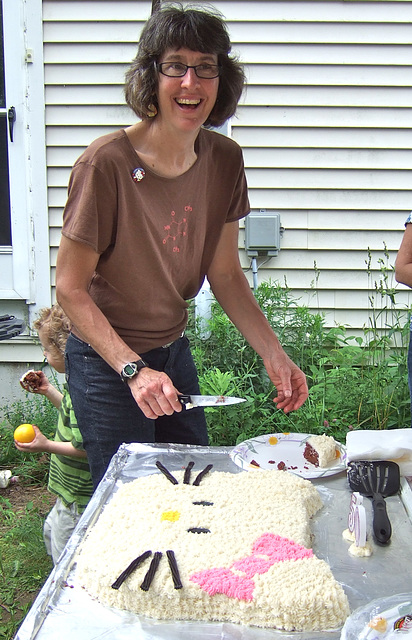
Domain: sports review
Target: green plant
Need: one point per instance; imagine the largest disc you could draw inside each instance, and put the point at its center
(24, 564)
(227, 425)
(34, 410)
(354, 382)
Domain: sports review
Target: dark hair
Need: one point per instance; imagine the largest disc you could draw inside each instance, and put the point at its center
(174, 26)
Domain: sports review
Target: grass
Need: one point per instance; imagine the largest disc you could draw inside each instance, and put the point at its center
(24, 564)
(354, 383)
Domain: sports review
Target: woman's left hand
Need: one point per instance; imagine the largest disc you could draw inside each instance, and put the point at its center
(289, 380)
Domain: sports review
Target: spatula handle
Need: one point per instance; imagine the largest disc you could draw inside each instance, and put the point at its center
(381, 526)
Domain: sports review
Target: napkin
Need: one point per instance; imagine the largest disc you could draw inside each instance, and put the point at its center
(392, 444)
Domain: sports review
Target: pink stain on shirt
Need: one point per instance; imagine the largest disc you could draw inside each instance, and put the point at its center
(266, 551)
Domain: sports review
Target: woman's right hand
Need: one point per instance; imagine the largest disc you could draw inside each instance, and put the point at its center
(154, 393)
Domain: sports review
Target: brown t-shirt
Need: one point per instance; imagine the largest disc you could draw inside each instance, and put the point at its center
(156, 236)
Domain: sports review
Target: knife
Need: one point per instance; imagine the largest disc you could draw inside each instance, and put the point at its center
(188, 402)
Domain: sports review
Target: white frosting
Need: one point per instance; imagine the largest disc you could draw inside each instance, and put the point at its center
(325, 446)
(151, 513)
(360, 552)
(348, 535)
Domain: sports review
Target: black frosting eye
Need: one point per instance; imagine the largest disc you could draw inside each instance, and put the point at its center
(202, 503)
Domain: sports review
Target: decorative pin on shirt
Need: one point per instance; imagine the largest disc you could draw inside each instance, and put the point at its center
(138, 174)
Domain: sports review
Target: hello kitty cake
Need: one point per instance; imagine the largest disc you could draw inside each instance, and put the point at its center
(215, 546)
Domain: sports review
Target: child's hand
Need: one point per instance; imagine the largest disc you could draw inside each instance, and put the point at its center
(39, 444)
(35, 382)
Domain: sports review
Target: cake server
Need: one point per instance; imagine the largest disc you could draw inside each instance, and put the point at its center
(376, 480)
(188, 402)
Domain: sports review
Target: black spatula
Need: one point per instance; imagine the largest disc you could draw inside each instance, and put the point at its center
(376, 480)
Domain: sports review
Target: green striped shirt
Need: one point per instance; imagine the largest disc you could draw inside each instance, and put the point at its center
(69, 477)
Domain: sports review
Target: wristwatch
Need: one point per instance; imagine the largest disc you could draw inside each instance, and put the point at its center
(131, 369)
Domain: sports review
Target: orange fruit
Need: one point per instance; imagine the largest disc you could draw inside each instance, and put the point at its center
(25, 433)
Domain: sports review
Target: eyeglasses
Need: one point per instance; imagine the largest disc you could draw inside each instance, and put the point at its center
(178, 70)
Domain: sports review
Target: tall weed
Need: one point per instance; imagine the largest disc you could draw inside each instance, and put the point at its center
(354, 382)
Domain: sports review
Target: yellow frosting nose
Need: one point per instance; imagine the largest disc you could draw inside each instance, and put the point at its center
(172, 516)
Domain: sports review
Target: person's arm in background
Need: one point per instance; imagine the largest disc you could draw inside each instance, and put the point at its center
(41, 444)
(403, 264)
(232, 291)
(76, 262)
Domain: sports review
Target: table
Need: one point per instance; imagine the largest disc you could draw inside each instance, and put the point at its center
(64, 608)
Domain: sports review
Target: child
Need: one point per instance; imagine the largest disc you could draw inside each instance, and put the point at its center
(69, 474)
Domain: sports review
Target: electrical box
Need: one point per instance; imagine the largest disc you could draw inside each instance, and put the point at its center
(262, 233)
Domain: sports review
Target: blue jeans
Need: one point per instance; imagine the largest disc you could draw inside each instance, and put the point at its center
(107, 413)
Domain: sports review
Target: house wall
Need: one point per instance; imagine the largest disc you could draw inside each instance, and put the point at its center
(325, 126)
(326, 132)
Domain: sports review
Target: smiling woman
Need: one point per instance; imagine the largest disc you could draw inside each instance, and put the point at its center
(173, 28)
(187, 91)
(147, 219)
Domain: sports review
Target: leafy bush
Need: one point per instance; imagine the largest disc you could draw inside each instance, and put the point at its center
(37, 410)
(354, 382)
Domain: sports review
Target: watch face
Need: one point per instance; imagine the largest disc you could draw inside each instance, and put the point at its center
(129, 370)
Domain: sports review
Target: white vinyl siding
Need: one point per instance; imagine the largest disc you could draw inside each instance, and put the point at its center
(325, 126)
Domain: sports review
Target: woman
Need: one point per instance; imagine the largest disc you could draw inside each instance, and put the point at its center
(152, 210)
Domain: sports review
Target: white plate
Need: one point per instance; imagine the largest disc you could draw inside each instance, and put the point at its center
(271, 450)
(381, 619)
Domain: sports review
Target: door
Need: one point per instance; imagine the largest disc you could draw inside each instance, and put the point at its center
(24, 272)
(5, 221)
(13, 239)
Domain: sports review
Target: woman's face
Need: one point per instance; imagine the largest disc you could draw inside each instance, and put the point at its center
(186, 102)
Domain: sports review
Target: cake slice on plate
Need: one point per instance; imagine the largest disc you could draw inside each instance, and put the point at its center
(320, 450)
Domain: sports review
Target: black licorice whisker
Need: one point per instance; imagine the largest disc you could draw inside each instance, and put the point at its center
(186, 477)
(132, 566)
(166, 473)
(202, 474)
(173, 568)
(151, 571)
(198, 530)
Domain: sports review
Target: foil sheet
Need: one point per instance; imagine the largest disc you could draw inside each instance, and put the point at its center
(64, 610)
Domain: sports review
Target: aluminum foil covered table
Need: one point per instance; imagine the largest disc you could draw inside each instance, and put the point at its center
(64, 610)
